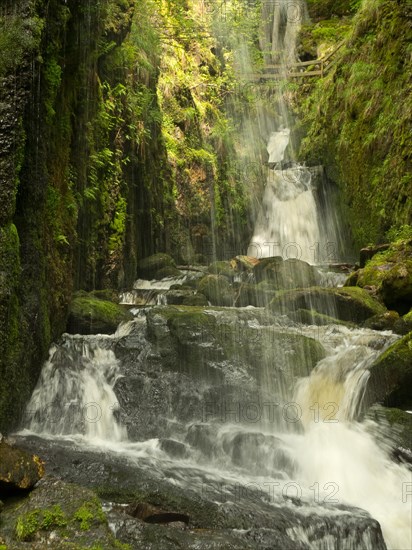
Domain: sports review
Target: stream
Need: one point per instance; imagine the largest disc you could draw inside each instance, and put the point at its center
(209, 408)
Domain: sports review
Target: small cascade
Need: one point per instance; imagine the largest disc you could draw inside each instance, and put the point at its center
(75, 394)
(337, 448)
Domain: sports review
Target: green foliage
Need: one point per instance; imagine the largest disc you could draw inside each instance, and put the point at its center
(19, 37)
(88, 514)
(350, 114)
(52, 75)
(48, 519)
(397, 234)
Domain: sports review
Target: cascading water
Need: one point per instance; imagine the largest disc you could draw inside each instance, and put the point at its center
(231, 434)
(289, 222)
(75, 391)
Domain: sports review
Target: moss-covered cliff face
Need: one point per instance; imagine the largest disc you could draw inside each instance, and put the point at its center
(113, 145)
(357, 118)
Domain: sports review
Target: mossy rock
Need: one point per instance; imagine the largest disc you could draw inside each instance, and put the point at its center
(217, 290)
(195, 300)
(260, 295)
(224, 268)
(167, 272)
(57, 515)
(383, 321)
(18, 469)
(88, 315)
(326, 9)
(312, 317)
(108, 294)
(286, 274)
(390, 273)
(351, 304)
(404, 324)
(390, 379)
(148, 267)
(400, 423)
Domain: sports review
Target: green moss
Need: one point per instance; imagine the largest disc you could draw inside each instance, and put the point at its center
(391, 375)
(222, 268)
(390, 272)
(88, 514)
(169, 271)
(351, 304)
(91, 315)
(349, 113)
(217, 290)
(312, 317)
(28, 524)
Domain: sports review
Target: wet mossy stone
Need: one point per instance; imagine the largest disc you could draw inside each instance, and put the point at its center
(390, 273)
(148, 267)
(88, 315)
(224, 268)
(286, 274)
(404, 324)
(167, 272)
(195, 300)
(351, 304)
(383, 321)
(108, 294)
(217, 290)
(311, 317)
(19, 470)
(390, 378)
(57, 514)
(260, 295)
(369, 252)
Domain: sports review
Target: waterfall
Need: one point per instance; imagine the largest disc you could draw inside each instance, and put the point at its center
(337, 448)
(74, 394)
(324, 452)
(289, 223)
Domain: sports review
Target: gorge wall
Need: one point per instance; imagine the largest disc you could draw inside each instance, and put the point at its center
(104, 159)
(357, 120)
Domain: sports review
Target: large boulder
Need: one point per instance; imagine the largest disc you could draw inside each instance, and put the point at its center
(148, 267)
(286, 274)
(217, 290)
(224, 268)
(19, 470)
(57, 514)
(347, 304)
(89, 315)
(203, 341)
(249, 294)
(389, 273)
(390, 379)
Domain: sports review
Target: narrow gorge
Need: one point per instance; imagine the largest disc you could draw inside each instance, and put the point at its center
(205, 274)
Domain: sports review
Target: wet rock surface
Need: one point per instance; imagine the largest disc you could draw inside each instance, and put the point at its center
(347, 304)
(186, 357)
(388, 270)
(19, 470)
(56, 514)
(391, 376)
(91, 315)
(218, 518)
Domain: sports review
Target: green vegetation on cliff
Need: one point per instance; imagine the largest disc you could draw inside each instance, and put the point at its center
(358, 120)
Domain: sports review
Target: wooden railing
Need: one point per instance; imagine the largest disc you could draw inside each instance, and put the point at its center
(318, 67)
